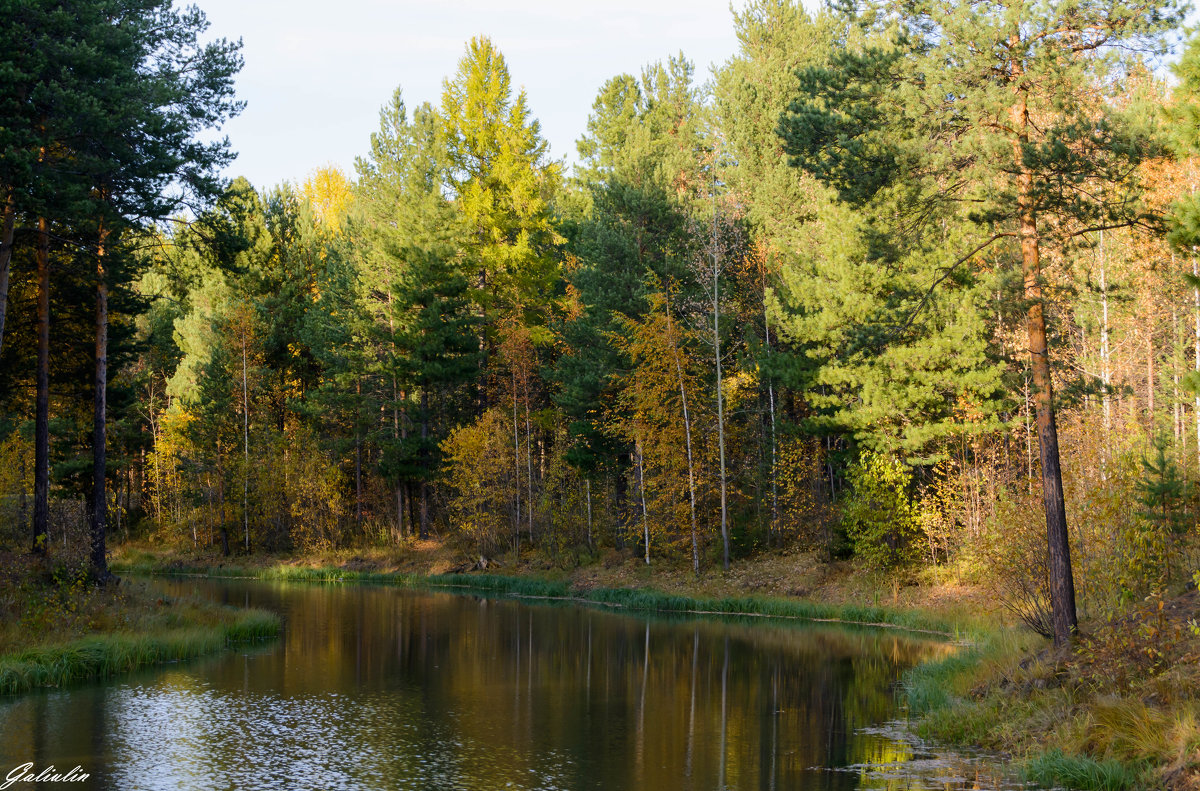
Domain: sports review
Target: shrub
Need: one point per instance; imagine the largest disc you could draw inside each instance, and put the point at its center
(878, 516)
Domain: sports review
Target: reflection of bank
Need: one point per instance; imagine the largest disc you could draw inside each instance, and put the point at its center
(462, 691)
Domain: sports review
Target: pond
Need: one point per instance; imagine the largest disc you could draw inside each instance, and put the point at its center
(375, 687)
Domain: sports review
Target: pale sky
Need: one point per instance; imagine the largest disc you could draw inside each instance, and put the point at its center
(317, 73)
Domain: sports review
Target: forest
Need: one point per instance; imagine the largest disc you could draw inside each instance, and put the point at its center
(913, 285)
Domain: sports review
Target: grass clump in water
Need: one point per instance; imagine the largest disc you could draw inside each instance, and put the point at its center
(56, 627)
(1080, 773)
(107, 655)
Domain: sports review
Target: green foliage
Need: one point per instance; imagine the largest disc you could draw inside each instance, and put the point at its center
(1183, 116)
(1150, 541)
(878, 516)
(639, 166)
(502, 185)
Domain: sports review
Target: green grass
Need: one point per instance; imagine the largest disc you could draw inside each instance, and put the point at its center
(1080, 773)
(103, 656)
(639, 599)
(1070, 739)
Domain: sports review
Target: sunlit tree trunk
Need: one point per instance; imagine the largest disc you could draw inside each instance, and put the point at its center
(1176, 406)
(687, 433)
(716, 275)
(528, 463)
(1105, 363)
(396, 398)
(424, 482)
(516, 465)
(1150, 375)
(588, 489)
(1196, 299)
(774, 439)
(1062, 586)
(245, 446)
(642, 492)
(358, 494)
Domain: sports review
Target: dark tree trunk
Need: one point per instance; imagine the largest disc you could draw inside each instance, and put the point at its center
(424, 509)
(424, 460)
(621, 494)
(400, 509)
(99, 418)
(1062, 584)
(8, 226)
(41, 436)
(412, 505)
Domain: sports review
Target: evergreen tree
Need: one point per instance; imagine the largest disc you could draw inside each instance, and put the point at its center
(437, 354)
(108, 99)
(981, 133)
(640, 150)
(413, 235)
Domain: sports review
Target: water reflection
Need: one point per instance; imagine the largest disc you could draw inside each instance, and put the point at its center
(390, 689)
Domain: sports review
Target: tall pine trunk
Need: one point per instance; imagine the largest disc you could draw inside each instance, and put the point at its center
(1106, 370)
(516, 468)
(720, 395)
(1062, 585)
(358, 493)
(528, 463)
(41, 432)
(1196, 321)
(245, 447)
(774, 439)
(100, 418)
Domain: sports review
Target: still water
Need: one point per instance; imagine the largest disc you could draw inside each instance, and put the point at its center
(384, 688)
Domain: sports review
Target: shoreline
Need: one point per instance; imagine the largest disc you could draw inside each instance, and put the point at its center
(633, 599)
(66, 636)
(105, 656)
(947, 700)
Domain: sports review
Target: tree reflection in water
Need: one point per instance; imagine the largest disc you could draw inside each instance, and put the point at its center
(377, 687)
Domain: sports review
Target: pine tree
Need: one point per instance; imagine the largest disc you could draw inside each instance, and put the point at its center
(984, 130)
(108, 98)
(413, 236)
(639, 155)
(436, 355)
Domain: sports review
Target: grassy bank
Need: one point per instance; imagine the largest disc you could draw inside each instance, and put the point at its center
(534, 585)
(106, 655)
(57, 628)
(1118, 711)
